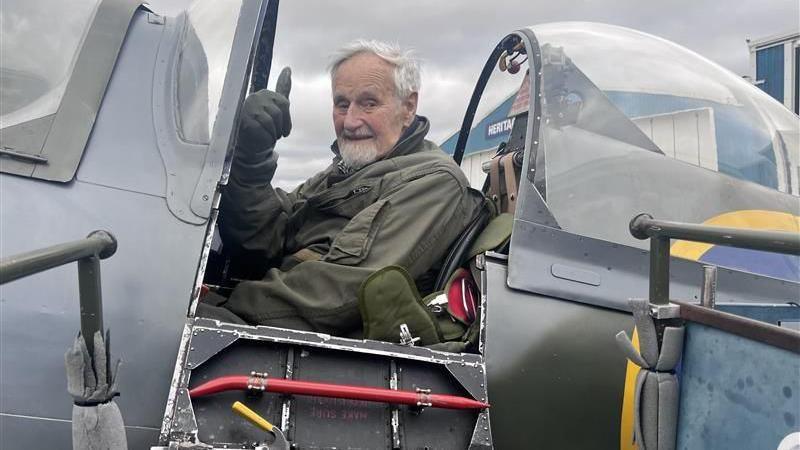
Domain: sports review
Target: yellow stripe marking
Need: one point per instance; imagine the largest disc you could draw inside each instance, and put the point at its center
(754, 219)
(626, 422)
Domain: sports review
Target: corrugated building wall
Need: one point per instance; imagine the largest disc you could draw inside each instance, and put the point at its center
(775, 67)
(770, 71)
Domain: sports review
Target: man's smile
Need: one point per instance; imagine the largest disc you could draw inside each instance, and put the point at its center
(357, 135)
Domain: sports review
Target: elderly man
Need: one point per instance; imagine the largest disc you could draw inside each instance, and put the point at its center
(390, 197)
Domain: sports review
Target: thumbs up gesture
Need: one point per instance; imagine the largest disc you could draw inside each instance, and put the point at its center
(264, 119)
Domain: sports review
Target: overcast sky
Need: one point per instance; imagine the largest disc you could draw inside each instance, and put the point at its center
(454, 39)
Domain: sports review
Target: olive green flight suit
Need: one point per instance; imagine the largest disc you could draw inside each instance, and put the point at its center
(328, 235)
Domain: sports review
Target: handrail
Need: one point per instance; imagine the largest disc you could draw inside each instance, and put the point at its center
(98, 243)
(644, 226)
(87, 252)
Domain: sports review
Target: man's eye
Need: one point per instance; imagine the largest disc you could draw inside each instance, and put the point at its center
(370, 104)
(341, 105)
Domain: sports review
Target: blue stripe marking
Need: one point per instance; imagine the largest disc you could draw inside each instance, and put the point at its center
(774, 265)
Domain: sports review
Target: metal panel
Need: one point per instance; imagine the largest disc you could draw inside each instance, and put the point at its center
(769, 68)
(555, 374)
(27, 138)
(328, 422)
(76, 114)
(774, 314)
(146, 291)
(315, 422)
(215, 420)
(420, 428)
(147, 286)
(183, 161)
(122, 151)
(736, 393)
(622, 272)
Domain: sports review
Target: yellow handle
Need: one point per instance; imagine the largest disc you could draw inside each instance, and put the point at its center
(252, 416)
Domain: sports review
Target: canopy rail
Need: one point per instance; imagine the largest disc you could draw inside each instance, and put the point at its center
(660, 232)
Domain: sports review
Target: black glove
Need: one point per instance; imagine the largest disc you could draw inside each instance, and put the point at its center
(264, 119)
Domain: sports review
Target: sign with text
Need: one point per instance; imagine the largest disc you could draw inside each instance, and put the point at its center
(500, 128)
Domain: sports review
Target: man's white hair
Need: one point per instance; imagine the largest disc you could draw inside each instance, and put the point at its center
(406, 65)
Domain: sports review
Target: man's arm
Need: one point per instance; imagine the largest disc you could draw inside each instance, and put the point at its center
(413, 227)
(253, 214)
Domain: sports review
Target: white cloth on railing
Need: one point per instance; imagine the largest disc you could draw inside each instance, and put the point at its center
(656, 399)
(96, 420)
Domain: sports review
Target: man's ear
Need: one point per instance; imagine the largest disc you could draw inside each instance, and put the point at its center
(410, 109)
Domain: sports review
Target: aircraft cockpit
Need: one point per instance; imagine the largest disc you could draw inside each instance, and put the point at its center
(626, 122)
(120, 118)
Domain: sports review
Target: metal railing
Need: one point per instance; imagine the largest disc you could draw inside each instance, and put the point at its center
(660, 232)
(87, 252)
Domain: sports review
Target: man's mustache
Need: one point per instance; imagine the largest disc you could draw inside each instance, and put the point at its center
(358, 133)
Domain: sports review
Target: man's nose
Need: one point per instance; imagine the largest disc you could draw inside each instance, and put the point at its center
(352, 119)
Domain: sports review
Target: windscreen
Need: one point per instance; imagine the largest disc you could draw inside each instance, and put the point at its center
(39, 46)
(633, 123)
(503, 103)
(205, 50)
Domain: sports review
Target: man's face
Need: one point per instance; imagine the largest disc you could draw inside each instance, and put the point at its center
(367, 115)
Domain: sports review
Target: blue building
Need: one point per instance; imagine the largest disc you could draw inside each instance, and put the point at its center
(774, 66)
(482, 144)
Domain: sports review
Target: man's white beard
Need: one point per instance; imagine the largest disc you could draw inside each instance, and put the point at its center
(357, 153)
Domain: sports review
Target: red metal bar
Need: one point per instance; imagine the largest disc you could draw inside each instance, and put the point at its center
(221, 384)
(365, 393)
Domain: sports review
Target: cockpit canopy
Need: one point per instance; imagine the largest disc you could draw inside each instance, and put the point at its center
(692, 109)
(39, 50)
(615, 122)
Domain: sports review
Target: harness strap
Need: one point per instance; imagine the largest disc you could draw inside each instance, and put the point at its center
(510, 175)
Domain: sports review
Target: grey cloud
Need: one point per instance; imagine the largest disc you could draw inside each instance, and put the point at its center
(454, 38)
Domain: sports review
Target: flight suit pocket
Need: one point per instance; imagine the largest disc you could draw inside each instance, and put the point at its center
(347, 202)
(352, 244)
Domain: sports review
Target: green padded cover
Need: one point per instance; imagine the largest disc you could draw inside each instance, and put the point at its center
(389, 298)
(494, 235)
